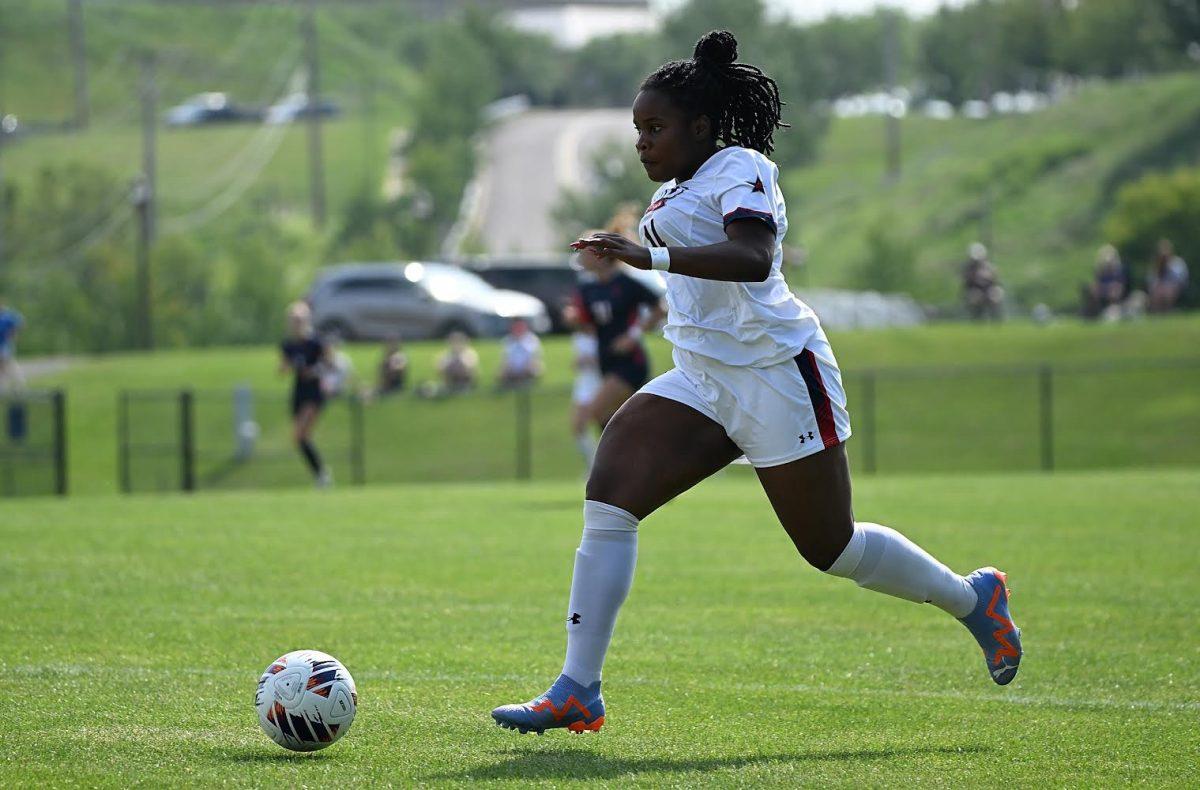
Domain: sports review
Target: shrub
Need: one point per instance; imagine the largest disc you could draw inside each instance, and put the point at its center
(889, 263)
(1160, 205)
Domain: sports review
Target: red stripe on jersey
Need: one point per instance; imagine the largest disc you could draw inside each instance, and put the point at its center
(581, 310)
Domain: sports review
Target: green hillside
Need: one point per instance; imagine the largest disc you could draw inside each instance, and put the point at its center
(254, 53)
(244, 49)
(196, 167)
(1049, 179)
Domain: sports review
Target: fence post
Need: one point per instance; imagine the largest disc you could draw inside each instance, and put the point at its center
(524, 431)
(358, 465)
(187, 448)
(123, 442)
(59, 399)
(1046, 410)
(869, 464)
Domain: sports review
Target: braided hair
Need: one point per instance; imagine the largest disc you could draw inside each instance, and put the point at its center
(741, 101)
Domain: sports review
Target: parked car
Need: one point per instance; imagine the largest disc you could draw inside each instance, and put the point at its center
(553, 284)
(296, 106)
(211, 107)
(376, 301)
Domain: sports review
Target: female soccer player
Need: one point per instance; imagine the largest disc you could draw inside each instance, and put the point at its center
(587, 382)
(753, 374)
(303, 355)
(612, 302)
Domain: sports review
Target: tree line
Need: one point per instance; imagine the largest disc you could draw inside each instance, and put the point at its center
(228, 282)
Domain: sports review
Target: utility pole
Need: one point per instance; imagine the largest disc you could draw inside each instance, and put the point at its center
(891, 68)
(316, 161)
(367, 85)
(3, 198)
(144, 199)
(4, 203)
(79, 60)
(3, 131)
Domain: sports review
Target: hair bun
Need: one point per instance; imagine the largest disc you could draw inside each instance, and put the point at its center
(718, 47)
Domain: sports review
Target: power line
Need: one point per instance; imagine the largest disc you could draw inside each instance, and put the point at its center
(114, 221)
(222, 202)
(316, 159)
(283, 76)
(232, 194)
(170, 64)
(78, 62)
(80, 228)
(180, 63)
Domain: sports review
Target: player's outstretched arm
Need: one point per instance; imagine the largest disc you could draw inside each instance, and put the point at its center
(744, 258)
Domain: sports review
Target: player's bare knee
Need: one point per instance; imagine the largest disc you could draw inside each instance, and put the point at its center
(819, 556)
(821, 546)
(613, 478)
(604, 480)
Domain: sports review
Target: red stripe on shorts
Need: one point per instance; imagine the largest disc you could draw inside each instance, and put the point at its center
(822, 406)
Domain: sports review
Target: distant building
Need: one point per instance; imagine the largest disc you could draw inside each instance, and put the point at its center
(569, 23)
(572, 23)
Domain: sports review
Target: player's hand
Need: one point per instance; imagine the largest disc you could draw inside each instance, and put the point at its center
(614, 245)
(625, 344)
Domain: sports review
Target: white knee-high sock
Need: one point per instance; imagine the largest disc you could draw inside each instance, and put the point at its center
(604, 566)
(880, 558)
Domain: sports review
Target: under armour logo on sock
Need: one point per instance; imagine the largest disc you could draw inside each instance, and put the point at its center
(574, 618)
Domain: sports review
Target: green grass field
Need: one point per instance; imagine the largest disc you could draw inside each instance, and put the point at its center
(135, 630)
(1128, 416)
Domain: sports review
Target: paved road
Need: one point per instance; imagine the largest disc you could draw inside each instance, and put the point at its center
(529, 159)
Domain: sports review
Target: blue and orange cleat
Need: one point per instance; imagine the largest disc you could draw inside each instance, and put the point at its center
(992, 626)
(565, 704)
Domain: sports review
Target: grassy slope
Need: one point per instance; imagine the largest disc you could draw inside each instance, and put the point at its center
(1049, 174)
(228, 46)
(136, 628)
(247, 51)
(198, 165)
(975, 422)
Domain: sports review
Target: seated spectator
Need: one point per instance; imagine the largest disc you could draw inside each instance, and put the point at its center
(1104, 295)
(393, 370)
(458, 366)
(982, 291)
(522, 356)
(1167, 279)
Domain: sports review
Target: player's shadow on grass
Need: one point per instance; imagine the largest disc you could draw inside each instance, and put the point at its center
(576, 764)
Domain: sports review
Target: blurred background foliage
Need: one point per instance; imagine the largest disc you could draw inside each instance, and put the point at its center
(1118, 160)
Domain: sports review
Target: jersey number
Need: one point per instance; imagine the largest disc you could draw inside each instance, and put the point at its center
(601, 312)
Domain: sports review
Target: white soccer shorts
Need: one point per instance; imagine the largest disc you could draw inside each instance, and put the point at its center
(775, 414)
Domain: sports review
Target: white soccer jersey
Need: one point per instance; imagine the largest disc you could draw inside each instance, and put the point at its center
(743, 324)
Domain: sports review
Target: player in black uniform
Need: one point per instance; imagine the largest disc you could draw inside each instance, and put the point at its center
(303, 355)
(612, 302)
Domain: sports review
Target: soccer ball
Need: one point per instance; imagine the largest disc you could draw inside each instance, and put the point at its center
(306, 700)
